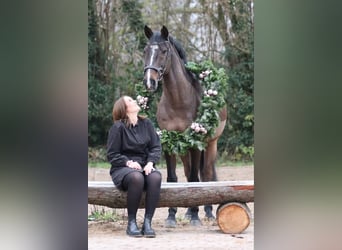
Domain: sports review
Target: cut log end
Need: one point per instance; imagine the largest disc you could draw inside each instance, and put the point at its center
(233, 217)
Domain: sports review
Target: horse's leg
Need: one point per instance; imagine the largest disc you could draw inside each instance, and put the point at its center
(171, 167)
(191, 162)
(208, 171)
(186, 159)
(186, 164)
(191, 169)
(171, 177)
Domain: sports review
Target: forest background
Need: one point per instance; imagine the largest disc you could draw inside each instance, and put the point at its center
(221, 31)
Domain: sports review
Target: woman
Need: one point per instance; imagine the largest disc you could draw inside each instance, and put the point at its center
(133, 149)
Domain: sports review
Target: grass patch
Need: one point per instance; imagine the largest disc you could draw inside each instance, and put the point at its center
(103, 214)
(98, 164)
(227, 163)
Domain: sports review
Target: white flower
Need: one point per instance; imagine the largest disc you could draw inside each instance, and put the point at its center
(142, 101)
(198, 128)
(159, 132)
(210, 92)
(205, 73)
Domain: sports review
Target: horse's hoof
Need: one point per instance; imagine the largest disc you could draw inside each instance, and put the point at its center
(169, 223)
(210, 217)
(211, 220)
(195, 223)
(187, 216)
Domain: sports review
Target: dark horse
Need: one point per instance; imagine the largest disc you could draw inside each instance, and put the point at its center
(177, 109)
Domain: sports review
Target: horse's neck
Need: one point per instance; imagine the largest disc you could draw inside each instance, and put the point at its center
(178, 104)
(177, 87)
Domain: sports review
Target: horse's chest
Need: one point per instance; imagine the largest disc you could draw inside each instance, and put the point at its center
(176, 113)
(173, 121)
(173, 125)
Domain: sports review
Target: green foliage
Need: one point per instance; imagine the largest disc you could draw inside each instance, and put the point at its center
(100, 213)
(100, 103)
(239, 138)
(132, 9)
(240, 100)
(98, 98)
(104, 84)
(97, 154)
(151, 107)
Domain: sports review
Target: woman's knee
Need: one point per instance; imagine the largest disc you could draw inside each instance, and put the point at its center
(155, 177)
(134, 177)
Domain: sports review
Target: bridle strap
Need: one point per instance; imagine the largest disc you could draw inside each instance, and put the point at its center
(161, 69)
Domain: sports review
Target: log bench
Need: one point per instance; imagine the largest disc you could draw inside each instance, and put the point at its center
(232, 215)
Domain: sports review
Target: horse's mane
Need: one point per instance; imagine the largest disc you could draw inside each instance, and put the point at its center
(182, 55)
(179, 48)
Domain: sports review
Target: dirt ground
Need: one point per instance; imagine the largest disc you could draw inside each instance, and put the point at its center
(112, 235)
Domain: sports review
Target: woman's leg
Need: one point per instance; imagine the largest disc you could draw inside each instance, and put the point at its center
(152, 186)
(134, 184)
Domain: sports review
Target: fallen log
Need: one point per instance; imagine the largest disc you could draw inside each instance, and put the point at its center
(177, 194)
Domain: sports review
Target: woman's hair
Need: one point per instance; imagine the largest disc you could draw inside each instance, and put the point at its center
(120, 111)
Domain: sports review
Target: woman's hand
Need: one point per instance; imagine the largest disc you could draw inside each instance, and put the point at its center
(149, 168)
(134, 165)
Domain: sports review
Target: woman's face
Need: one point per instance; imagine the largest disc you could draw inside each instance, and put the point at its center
(131, 105)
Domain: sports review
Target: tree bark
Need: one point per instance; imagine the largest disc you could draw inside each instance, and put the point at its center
(181, 194)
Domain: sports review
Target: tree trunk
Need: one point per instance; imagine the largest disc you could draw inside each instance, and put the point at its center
(181, 194)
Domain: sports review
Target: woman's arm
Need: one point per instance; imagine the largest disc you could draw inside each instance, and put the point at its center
(154, 147)
(114, 142)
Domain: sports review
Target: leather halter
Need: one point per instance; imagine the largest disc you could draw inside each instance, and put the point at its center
(160, 70)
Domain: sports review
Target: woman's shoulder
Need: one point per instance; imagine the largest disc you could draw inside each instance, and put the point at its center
(145, 120)
(117, 125)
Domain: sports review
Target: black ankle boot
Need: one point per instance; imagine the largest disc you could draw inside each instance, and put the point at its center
(147, 229)
(132, 228)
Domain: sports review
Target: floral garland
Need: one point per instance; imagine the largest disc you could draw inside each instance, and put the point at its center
(214, 83)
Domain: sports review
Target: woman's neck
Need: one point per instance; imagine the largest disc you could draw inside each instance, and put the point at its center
(133, 118)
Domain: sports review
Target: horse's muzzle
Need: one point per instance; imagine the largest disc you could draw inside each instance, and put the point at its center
(150, 84)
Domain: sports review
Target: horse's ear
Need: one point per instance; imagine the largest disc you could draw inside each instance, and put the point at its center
(165, 33)
(148, 32)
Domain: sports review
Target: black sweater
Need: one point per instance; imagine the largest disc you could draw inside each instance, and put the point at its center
(138, 143)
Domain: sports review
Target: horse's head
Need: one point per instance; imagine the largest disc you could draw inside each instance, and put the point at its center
(156, 57)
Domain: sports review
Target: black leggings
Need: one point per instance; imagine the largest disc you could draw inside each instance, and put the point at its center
(135, 183)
